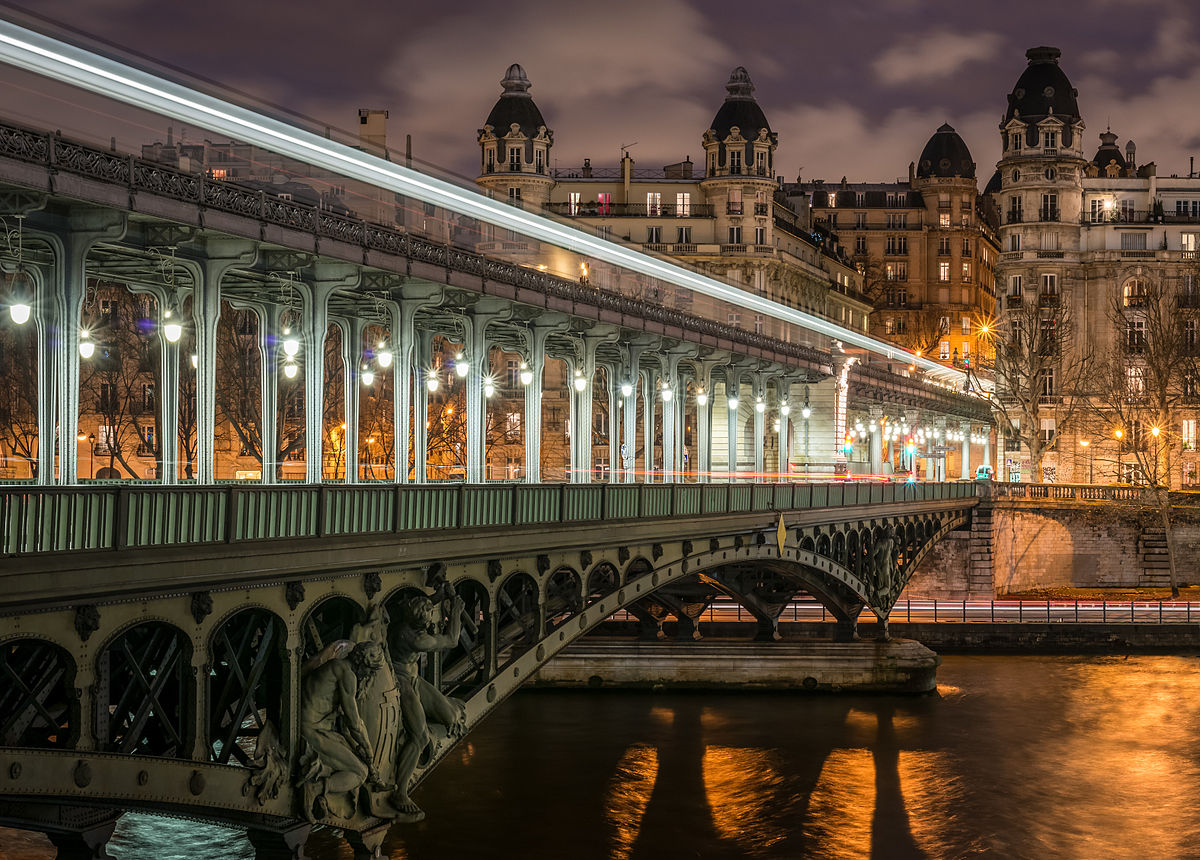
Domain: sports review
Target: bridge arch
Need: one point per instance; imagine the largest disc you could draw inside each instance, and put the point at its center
(330, 619)
(602, 580)
(246, 685)
(38, 707)
(563, 597)
(145, 691)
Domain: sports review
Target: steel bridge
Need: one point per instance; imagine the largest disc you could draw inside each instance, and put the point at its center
(163, 645)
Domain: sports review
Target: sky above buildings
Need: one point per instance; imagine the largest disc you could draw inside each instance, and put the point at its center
(853, 88)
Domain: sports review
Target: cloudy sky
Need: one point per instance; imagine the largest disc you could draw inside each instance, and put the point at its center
(853, 88)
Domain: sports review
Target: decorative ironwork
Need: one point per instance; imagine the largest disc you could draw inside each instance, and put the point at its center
(38, 707)
(144, 692)
(245, 684)
(87, 621)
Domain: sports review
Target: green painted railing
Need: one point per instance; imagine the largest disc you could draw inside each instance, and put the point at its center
(64, 519)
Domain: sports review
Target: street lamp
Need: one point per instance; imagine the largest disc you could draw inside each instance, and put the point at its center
(1084, 443)
(91, 453)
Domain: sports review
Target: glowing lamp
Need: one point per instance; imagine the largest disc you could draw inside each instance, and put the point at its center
(805, 412)
(580, 381)
(785, 409)
(759, 406)
(701, 398)
(432, 382)
(1154, 431)
(626, 389)
(86, 348)
(291, 346)
(195, 360)
(368, 376)
(460, 365)
(290, 369)
(667, 394)
(733, 403)
(172, 332)
(19, 312)
(526, 374)
(384, 358)
(489, 387)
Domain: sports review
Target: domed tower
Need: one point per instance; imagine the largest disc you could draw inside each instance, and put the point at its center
(1041, 181)
(739, 153)
(515, 146)
(1108, 160)
(945, 178)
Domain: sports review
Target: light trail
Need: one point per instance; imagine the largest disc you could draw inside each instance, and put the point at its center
(89, 71)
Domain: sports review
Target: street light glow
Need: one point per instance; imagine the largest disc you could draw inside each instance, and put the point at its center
(19, 312)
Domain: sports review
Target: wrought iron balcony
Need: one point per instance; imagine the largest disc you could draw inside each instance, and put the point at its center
(1011, 302)
(733, 208)
(1015, 216)
(594, 209)
(1048, 300)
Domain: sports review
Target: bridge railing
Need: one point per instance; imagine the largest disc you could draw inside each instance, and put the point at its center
(65, 519)
(1068, 492)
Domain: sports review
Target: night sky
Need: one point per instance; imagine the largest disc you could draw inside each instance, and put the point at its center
(852, 88)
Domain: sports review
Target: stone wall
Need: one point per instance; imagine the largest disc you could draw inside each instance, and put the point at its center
(1034, 544)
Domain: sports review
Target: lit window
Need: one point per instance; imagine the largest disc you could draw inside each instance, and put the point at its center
(573, 203)
(832, 196)
(683, 204)
(966, 325)
(653, 203)
(944, 272)
(944, 350)
(944, 219)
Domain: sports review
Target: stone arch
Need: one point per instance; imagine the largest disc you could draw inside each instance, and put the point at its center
(564, 597)
(853, 555)
(602, 581)
(38, 707)
(837, 548)
(331, 619)
(518, 614)
(246, 685)
(145, 691)
(807, 543)
(823, 545)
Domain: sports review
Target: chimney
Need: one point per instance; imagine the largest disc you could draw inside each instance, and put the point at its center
(587, 168)
(1130, 152)
(372, 129)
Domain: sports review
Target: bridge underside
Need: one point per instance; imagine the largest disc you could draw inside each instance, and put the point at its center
(190, 703)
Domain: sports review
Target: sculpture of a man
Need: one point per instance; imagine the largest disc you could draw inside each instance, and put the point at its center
(884, 562)
(421, 704)
(338, 757)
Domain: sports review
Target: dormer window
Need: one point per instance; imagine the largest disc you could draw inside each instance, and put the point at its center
(1014, 140)
(491, 160)
(735, 161)
(1050, 140)
(760, 164)
(514, 158)
(539, 161)
(832, 199)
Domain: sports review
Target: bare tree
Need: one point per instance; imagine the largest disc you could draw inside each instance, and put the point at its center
(1145, 385)
(18, 398)
(1041, 371)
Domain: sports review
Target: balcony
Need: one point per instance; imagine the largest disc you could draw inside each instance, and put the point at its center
(1137, 254)
(1048, 213)
(761, 209)
(1012, 302)
(733, 208)
(1049, 255)
(733, 249)
(1009, 256)
(1048, 300)
(1014, 216)
(1187, 300)
(631, 210)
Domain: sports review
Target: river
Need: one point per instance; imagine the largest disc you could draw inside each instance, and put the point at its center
(1038, 757)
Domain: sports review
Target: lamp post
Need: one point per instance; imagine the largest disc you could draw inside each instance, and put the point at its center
(1084, 443)
(91, 454)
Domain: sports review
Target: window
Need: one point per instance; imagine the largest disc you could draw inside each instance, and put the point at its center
(653, 203)
(1189, 336)
(1188, 436)
(683, 204)
(735, 161)
(896, 245)
(1099, 210)
(1135, 335)
(108, 397)
(1135, 293)
(760, 235)
(965, 352)
(1049, 210)
(1049, 173)
(860, 244)
(1125, 211)
(894, 199)
(896, 220)
(1133, 241)
(889, 326)
(860, 220)
(760, 163)
(833, 220)
(109, 314)
(944, 219)
(758, 323)
(148, 395)
(1015, 207)
(1049, 284)
(944, 350)
(1135, 380)
(512, 373)
(604, 203)
(1047, 430)
(1050, 140)
(901, 326)
(653, 235)
(514, 196)
(966, 272)
(1181, 208)
(896, 271)
(966, 247)
(944, 246)
(734, 206)
(735, 318)
(1016, 175)
(832, 197)
(684, 236)
(1014, 140)
(514, 158)
(860, 198)
(735, 235)
(1047, 383)
(966, 325)
(539, 161)
(1049, 241)
(944, 272)
(1014, 242)
(573, 203)
(1189, 474)
(1189, 243)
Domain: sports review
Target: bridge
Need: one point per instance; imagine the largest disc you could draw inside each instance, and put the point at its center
(264, 646)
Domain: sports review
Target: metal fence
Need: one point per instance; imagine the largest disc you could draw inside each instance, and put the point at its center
(59, 519)
(991, 611)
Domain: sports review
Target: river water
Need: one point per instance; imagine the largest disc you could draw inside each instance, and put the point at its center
(1015, 757)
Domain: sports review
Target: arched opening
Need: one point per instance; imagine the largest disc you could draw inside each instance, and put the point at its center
(517, 617)
(465, 666)
(602, 581)
(563, 597)
(330, 620)
(245, 684)
(838, 548)
(144, 692)
(38, 707)
(1135, 293)
(823, 545)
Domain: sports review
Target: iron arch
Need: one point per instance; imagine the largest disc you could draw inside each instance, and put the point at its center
(145, 692)
(465, 667)
(38, 707)
(602, 581)
(246, 684)
(330, 620)
(518, 617)
(564, 597)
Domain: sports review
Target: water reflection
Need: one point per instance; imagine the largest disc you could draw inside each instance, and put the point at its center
(1018, 757)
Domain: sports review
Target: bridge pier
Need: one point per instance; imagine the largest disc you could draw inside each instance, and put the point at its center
(283, 844)
(77, 832)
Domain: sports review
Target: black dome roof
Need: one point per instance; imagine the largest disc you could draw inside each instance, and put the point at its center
(516, 105)
(993, 186)
(1108, 152)
(740, 109)
(1043, 89)
(946, 155)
